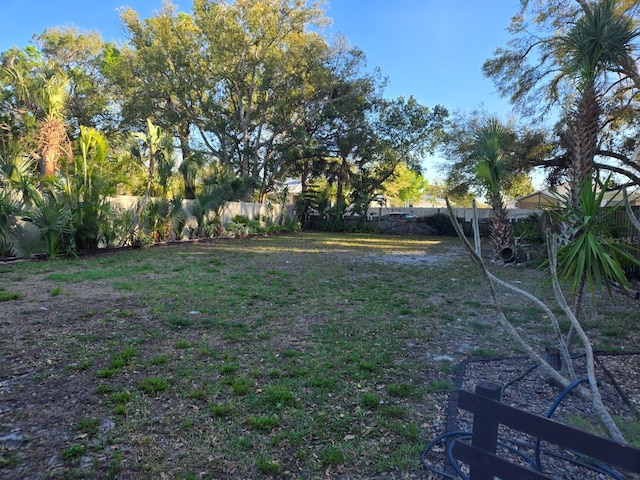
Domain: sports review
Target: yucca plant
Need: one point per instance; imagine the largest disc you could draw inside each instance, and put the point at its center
(585, 258)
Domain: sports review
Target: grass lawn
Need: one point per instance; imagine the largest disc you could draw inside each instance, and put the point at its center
(299, 356)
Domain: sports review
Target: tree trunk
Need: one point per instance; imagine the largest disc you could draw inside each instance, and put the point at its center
(501, 233)
(584, 139)
(47, 164)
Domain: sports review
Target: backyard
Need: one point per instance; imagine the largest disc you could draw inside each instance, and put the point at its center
(298, 356)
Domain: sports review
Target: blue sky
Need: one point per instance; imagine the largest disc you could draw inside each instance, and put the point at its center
(432, 49)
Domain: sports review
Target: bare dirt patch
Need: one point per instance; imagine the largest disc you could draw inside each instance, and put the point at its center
(451, 253)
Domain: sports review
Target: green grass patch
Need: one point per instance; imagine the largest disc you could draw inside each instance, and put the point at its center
(332, 455)
(153, 385)
(6, 296)
(266, 423)
(120, 398)
(369, 400)
(73, 453)
(403, 390)
(89, 425)
(241, 386)
(440, 386)
(182, 344)
(269, 467)
(220, 410)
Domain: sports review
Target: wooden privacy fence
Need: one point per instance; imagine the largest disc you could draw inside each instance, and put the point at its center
(488, 413)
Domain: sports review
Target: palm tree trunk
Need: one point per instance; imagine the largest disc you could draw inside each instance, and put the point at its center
(501, 233)
(585, 135)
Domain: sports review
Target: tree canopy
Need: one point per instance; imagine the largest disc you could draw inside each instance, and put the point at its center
(251, 86)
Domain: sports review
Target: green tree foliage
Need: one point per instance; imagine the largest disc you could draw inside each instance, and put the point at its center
(159, 74)
(79, 56)
(239, 74)
(89, 179)
(267, 95)
(405, 187)
(404, 131)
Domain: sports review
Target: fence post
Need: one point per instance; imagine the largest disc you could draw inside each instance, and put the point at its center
(485, 430)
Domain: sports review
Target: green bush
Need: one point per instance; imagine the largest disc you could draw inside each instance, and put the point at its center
(142, 240)
(441, 224)
(529, 230)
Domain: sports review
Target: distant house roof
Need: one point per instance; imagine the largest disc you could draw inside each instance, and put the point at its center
(542, 198)
(548, 198)
(294, 186)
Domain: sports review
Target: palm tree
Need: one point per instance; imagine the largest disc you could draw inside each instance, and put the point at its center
(599, 42)
(219, 188)
(150, 142)
(17, 192)
(53, 142)
(189, 169)
(18, 174)
(87, 188)
(489, 140)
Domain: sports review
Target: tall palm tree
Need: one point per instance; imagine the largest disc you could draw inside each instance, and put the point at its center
(600, 42)
(53, 140)
(489, 140)
(44, 91)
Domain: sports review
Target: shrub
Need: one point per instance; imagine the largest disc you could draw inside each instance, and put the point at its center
(529, 230)
(142, 240)
(441, 224)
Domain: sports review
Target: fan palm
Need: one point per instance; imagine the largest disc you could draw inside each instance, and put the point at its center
(489, 140)
(18, 175)
(52, 217)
